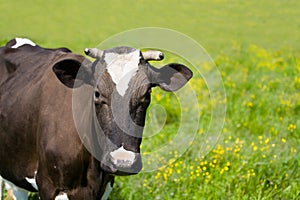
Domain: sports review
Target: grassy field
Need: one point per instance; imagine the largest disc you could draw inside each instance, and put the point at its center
(255, 45)
(257, 156)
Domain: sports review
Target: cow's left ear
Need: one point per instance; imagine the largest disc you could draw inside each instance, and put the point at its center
(68, 70)
(172, 77)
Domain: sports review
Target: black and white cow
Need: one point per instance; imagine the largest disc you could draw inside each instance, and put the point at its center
(40, 147)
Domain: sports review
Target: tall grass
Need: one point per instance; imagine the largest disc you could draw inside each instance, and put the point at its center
(257, 156)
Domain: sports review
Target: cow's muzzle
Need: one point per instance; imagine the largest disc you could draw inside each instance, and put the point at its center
(123, 162)
(123, 158)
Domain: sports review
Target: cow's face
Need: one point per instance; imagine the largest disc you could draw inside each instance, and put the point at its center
(122, 79)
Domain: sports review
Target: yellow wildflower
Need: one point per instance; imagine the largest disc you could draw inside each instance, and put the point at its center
(283, 140)
(292, 127)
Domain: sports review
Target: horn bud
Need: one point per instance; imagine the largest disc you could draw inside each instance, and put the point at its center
(93, 52)
(153, 55)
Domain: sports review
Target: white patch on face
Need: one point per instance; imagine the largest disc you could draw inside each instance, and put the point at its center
(121, 68)
(108, 190)
(122, 154)
(22, 41)
(62, 196)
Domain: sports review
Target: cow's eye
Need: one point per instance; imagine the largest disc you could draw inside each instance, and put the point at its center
(99, 98)
(97, 94)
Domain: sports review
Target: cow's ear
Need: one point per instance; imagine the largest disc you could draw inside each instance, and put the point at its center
(172, 77)
(72, 72)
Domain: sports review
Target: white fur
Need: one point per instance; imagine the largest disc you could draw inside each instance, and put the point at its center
(32, 181)
(22, 41)
(108, 190)
(122, 67)
(62, 196)
(122, 154)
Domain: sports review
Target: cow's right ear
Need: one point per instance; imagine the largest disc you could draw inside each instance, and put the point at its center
(72, 72)
(171, 77)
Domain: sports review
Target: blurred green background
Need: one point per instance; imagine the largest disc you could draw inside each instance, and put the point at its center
(215, 24)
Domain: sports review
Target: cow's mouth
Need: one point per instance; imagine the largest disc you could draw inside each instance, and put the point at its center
(122, 162)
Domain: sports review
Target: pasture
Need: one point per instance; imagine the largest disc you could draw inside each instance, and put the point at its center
(255, 46)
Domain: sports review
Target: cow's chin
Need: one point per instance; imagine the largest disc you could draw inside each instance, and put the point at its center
(120, 170)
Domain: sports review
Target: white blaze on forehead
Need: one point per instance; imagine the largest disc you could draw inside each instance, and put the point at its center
(122, 154)
(22, 41)
(62, 196)
(121, 68)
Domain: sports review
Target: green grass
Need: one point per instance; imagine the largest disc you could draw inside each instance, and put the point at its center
(257, 156)
(255, 45)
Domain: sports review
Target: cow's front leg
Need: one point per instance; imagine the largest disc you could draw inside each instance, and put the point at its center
(89, 192)
(93, 184)
(47, 191)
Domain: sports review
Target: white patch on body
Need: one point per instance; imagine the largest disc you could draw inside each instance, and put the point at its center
(22, 41)
(62, 196)
(32, 181)
(122, 154)
(108, 190)
(121, 68)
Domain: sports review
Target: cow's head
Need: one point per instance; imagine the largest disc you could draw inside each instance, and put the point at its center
(122, 79)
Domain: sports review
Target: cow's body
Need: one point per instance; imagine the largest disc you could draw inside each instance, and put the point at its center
(34, 140)
(38, 138)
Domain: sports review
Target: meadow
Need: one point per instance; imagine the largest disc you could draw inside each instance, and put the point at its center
(255, 46)
(257, 156)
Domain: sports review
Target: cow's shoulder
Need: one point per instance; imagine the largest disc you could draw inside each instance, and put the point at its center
(23, 60)
(22, 51)
(24, 44)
